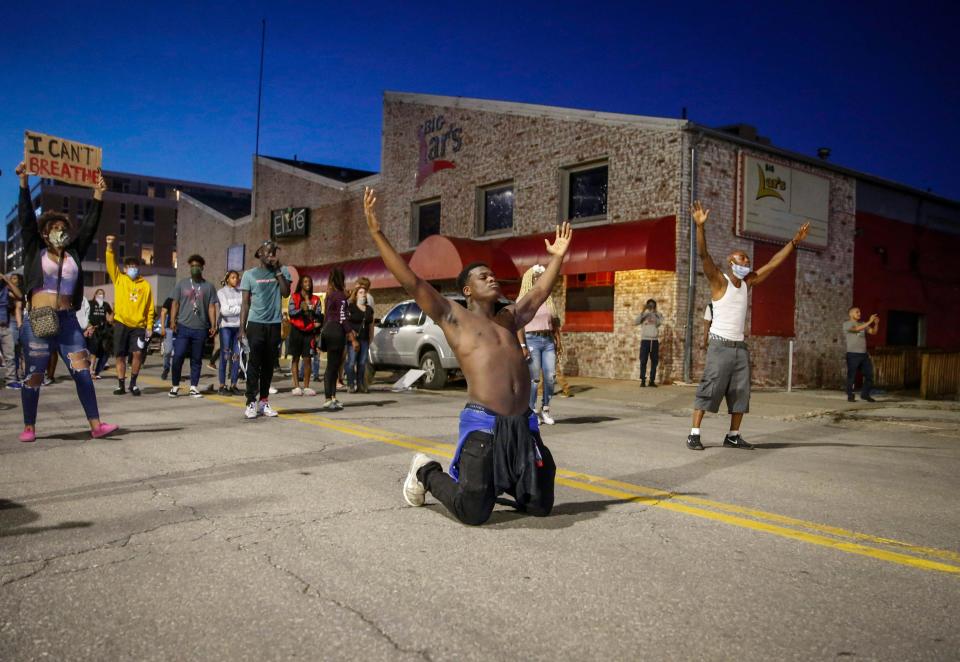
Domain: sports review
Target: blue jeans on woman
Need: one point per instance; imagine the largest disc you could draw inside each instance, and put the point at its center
(229, 353)
(543, 362)
(167, 349)
(17, 351)
(72, 346)
(356, 369)
(192, 340)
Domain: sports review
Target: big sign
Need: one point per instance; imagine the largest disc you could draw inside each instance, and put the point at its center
(290, 222)
(65, 160)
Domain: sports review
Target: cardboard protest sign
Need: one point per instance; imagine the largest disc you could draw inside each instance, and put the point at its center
(68, 161)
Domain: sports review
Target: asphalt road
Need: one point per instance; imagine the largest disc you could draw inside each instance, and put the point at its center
(195, 534)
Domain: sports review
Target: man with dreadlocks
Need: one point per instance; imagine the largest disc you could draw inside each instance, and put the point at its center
(499, 449)
(540, 340)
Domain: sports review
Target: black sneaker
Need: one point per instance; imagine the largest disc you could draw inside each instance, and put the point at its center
(736, 442)
(867, 398)
(164, 375)
(643, 382)
(653, 385)
(693, 442)
(119, 390)
(850, 398)
(234, 390)
(223, 391)
(135, 390)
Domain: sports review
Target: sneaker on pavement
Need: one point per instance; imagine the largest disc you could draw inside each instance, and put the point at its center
(273, 390)
(46, 381)
(174, 392)
(297, 391)
(264, 409)
(545, 416)
(653, 385)
(736, 442)
(234, 390)
(850, 398)
(693, 442)
(868, 398)
(414, 493)
(309, 392)
(195, 392)
(223, 391)
(119, 390)
(329, 404)
(97, 377)
(164, 375)
(103, 430)
(135, 390)
(337, 405)
(251, 410)
(27, 436)
(14, 385)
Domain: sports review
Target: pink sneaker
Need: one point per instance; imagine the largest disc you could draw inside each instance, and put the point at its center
(27, 436)
(103, 430)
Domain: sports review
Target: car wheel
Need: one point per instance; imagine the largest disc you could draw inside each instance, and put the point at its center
(436, 376)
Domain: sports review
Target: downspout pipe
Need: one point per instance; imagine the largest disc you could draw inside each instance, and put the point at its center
(691, 260)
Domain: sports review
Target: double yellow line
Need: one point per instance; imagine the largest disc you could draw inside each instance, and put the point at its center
(851, 542)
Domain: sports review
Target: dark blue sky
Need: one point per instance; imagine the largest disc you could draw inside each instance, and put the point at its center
(170, 88)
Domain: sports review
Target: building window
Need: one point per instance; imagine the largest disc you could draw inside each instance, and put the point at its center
(146, 253)
(66, 205)
(589, 302)
(148, 214)
(906, 329)
(496, 208)
(123, 229)
(120, 251)
(585, 192)
(151, 190)
(136, 212)
(88, 279)
(123, 210)
(426, 217)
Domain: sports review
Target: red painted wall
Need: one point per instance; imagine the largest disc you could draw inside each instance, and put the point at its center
(902, 266)
(774, 305)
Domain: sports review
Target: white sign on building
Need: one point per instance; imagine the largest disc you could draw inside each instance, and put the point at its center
(774, 200)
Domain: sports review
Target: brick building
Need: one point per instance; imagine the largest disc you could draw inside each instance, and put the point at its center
(140, 210)
(465, 179)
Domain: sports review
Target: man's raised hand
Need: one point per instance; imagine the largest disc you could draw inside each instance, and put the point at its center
(699, 213)
(801, 233)
(23, 174)
(100, 187)
(369, 200)
(562, 241)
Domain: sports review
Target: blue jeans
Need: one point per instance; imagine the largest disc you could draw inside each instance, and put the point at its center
(314, 366)
(357, 364)
(543, 361)
(73, 350)
(191, 340)
(17, 350)
(859, 361)
(229, 353)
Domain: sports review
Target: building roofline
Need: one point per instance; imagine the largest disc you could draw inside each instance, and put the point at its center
(318, 179)
(175, 182)
(220, 216)
(536, 110)
(820, 163)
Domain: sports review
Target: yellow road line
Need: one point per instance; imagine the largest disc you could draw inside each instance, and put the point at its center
(668, 500)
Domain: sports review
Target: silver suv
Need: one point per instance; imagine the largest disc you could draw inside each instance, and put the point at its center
(407, 338)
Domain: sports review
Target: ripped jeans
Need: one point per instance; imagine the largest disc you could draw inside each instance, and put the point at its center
(72, 346)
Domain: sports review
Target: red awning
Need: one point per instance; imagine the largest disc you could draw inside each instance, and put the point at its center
(649, 244)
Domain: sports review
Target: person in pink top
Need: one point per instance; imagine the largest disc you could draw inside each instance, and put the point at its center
(540, 340)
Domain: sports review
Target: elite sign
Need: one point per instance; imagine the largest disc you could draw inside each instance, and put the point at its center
(65, 160)
(290, 222)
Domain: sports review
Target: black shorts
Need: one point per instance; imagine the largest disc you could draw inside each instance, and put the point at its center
(298, 344)
(128, 340)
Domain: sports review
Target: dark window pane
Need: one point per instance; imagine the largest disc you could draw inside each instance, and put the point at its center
(903, 328)
(394, 317)
(148, 214)
(588, 193)
(589, 299)
(428, 222)
(498, 209)
(412, 315)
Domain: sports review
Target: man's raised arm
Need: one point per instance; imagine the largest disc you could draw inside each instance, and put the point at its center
(763, 272)
(432, 302)
(710, 270)
(527, 307)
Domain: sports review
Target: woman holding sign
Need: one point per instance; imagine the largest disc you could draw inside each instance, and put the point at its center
(53, 256)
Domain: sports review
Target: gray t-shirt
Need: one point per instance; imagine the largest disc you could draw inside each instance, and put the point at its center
(264, 291)
(856, 340)
(194, 301)
(649, 322)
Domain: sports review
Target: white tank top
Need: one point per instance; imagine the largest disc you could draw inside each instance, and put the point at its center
(730, 312)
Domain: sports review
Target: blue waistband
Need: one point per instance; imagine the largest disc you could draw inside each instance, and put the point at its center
(477, 418)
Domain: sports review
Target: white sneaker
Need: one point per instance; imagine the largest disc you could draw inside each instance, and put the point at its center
(251, 410)
(273, 391)
(329, 404)
(174, 392)
(414, 493)
(545, 416)
(309, 392)
(297, 391)
(337, 405)
(195, 392)
(264, 409)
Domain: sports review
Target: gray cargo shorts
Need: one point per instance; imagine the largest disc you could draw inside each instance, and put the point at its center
(725, 375)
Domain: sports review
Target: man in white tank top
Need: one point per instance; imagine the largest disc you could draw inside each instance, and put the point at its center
(727, 370)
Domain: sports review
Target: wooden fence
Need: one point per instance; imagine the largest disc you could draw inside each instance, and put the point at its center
(940, 375)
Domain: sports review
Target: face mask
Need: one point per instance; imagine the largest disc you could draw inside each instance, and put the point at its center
(133, 272)
(100, 299)
(739, 271)
(362, 299)
(58, 238)
(196, 272)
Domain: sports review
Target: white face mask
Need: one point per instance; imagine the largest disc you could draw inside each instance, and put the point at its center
(739, 271)
(100, 299)
(58, 238)
(133, 272)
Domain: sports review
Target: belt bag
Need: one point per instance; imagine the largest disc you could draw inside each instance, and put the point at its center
(44, 321)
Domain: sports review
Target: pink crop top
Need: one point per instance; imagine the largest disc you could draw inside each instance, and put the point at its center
(541, 321)
(68, 279)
